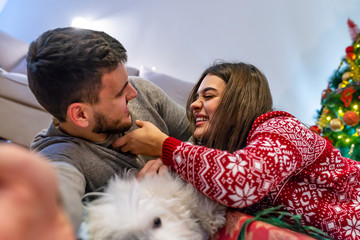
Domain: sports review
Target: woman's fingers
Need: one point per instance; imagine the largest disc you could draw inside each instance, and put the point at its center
(151, 168)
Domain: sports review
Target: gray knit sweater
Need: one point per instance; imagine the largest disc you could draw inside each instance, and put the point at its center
(83, 166)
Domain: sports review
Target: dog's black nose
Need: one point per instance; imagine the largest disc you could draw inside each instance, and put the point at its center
(157, 222)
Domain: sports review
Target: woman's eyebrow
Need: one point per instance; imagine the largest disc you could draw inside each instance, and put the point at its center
(207, 89)
(203, 91)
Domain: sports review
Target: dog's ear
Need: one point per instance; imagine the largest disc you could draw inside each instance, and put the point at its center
(91, 196)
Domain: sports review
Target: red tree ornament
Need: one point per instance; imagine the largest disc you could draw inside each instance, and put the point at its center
(328, 139)
(315, 129)
(349, 49)
(351, 118)
(354, 30)
(351, 55)
(346, 96)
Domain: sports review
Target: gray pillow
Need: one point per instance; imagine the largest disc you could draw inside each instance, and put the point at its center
(177, 89)
(132, 71)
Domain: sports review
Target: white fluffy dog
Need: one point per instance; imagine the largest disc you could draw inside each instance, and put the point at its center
(154, 208)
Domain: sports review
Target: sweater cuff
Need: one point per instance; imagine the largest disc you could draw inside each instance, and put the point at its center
(169, 146)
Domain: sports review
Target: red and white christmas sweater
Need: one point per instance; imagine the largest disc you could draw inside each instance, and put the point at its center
(283, 163)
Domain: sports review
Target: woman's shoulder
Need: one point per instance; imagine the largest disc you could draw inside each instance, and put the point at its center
(286, 125)
(273, 115)
(272, 118)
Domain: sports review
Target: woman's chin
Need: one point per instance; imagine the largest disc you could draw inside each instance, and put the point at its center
(198, 135)
(200, 131)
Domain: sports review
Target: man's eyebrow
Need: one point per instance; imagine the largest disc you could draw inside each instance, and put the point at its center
(122, 90)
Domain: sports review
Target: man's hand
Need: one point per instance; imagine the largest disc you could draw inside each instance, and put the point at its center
(146, 140)
(29, 198)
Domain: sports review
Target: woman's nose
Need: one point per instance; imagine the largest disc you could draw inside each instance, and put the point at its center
(196, 104)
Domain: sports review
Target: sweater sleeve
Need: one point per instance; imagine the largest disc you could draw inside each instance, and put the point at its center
(237, 179)
(72, 188)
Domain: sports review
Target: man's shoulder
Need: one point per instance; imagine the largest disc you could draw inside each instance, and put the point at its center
(141, 82)
(56, 148)
(146, 87)
(149, 94)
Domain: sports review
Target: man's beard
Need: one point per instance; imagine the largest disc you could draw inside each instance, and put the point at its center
(106, 125)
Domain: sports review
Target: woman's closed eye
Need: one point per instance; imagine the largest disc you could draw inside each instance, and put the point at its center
(208, 96)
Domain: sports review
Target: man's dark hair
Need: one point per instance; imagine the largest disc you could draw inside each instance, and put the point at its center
(65, 65)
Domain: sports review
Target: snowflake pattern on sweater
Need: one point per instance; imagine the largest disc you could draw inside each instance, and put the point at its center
(284, 163)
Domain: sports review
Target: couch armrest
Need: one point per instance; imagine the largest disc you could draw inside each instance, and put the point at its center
(12, 51)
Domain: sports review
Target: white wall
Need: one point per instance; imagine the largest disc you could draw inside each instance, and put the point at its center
(297, 44)
(2, 4)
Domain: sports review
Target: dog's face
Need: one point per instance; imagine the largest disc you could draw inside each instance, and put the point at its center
(152, 209)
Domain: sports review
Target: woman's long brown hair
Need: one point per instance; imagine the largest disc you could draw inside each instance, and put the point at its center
(246, 96)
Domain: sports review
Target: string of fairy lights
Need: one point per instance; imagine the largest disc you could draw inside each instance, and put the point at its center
(338, 118)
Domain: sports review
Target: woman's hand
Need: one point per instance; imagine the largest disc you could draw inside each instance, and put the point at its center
(153, 167)
(146, 140)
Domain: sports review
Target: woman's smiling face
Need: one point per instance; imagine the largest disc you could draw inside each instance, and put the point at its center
(207, 101)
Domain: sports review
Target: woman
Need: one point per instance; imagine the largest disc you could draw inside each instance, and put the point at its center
(250, 157)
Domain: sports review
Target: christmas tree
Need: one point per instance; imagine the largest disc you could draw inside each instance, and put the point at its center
(338, 118)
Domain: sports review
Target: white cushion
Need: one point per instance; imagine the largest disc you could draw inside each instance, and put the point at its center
(14, 86)
(12, 51)
(177, 89)
(21, 67)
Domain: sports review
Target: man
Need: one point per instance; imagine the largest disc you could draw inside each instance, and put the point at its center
(79, 77)
(29, 199)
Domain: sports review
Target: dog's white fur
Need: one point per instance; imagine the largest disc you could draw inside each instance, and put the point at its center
(155, 208)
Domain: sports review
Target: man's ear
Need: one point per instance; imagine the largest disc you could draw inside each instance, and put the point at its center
(78, 114)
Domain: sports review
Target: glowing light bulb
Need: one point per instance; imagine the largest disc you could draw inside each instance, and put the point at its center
(355, 106)
(347, 140)
(80, 22)
(339, 137)
(328, 118)
(340, 111)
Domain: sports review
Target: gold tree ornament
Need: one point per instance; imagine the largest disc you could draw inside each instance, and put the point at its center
(323, 119)
(336, 125)
(339, 117)
(355, 71)
(346, 76)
